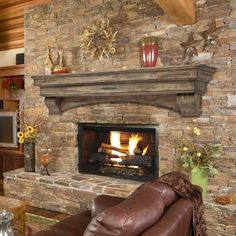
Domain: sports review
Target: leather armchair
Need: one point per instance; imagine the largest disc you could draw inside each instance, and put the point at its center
(152, 209)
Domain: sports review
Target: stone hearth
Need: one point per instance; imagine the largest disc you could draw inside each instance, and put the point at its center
(62, 192)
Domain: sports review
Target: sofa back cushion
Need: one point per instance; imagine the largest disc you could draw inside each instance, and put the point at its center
(102, 202)
(135, 214)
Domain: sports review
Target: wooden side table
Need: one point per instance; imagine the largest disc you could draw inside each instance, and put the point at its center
(18, 208)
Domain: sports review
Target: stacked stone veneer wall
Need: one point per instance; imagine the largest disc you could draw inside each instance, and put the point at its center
(60, 24)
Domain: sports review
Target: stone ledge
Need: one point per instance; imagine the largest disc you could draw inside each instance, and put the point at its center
(62, 192)
(80, 181)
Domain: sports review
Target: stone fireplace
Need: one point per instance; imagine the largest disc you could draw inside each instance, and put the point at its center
(121, 151)
(177, 88)
(67, 102)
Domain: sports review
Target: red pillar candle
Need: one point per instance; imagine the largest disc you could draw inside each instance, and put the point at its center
(149, 51)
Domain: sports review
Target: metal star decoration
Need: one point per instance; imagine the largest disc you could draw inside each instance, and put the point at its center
(211, 36)
(189, 47)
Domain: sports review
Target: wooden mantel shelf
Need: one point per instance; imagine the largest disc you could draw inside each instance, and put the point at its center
(179, 88)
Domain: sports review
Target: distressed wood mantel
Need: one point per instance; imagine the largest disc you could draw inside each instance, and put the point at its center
(178, 88)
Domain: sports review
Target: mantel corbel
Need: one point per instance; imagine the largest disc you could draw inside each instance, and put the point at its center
(54, 105)
(178, 88)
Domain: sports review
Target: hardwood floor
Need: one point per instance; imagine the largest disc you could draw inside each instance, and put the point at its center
(57, 216)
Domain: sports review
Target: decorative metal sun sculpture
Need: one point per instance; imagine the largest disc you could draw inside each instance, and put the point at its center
(98, 40)
(189, 47)
(211, 36)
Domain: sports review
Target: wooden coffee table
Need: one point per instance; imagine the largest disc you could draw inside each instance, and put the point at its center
(18, 208)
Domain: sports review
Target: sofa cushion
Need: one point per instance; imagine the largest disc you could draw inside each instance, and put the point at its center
(102, 202)
(135, 214)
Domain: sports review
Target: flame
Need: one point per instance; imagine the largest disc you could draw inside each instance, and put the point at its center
(115, 138)
(145, 150)
(133, 141)
(115, 142)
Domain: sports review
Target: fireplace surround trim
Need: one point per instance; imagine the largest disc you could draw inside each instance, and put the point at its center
(151, 129)
(177, 88)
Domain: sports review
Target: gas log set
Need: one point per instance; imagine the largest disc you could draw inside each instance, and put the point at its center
(127, 156)
(123, 154)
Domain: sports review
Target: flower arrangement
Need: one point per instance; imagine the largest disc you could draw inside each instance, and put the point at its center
(13, 82)
(31, 122)
(28, 135)
(197, 155)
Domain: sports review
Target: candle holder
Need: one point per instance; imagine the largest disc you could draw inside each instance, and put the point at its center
(44, 162)
(149, 51)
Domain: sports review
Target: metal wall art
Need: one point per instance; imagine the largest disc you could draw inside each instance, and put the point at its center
(210, 40)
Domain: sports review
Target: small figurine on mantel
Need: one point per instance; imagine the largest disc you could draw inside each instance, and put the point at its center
(60, 68)
(48, 62)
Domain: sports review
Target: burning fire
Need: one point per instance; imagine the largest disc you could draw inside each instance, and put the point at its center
(145, 150)
(115, 142)
(133, 142)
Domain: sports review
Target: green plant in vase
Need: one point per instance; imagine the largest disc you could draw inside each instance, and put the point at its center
(198, 157)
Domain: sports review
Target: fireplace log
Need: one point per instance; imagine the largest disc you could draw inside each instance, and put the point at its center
(115, 170)
(137, 151)
(138, 160)
(135, 160)
(104, 147)
(102, 157)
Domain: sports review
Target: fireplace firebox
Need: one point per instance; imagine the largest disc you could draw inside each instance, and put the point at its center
(120, 151)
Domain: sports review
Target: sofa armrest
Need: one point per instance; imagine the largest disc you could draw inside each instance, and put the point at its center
(176, 220)
(102, 202)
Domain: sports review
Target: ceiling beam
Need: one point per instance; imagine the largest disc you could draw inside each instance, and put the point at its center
(182, 12)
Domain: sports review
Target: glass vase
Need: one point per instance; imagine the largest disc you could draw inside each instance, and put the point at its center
(29, 157)
(5, 223)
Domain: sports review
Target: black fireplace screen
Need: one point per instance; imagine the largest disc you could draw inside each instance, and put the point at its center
(121, 151)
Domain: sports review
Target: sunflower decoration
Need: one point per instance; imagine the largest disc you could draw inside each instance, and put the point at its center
(98, 40)
(28, 135)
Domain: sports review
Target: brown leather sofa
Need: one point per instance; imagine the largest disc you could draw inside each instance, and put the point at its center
(154, 209)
